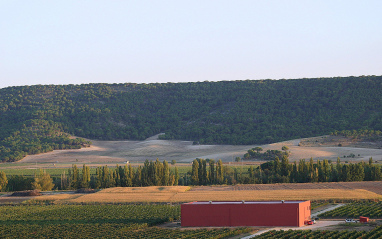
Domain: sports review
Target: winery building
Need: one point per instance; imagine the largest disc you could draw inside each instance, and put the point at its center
(242, 213)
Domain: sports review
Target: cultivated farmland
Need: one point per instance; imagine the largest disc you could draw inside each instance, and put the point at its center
(376, 233)
(98, 221)
(355, 210)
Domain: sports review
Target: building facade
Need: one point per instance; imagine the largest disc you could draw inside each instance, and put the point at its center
(226, 214)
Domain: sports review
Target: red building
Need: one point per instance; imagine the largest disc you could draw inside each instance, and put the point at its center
(223, 214)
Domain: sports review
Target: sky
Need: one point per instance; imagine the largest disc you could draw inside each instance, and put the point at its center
(92, 41)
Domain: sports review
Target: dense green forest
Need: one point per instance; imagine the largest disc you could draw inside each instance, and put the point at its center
(40, 118)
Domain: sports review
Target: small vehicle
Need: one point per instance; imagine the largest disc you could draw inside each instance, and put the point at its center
(348, 220)
(317, 218)
(310, 222)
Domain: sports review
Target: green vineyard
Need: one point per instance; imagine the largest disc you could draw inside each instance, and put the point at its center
(98, 221)
(290, 234)
(355, 210)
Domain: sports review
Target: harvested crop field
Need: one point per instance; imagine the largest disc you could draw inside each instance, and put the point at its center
(254, 192)
(373, 186)
(10, 200)
(271, 195)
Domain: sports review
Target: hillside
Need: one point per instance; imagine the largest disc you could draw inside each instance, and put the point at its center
(118, 152)
(35, 119)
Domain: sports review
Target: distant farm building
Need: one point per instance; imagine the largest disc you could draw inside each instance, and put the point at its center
(223, 214)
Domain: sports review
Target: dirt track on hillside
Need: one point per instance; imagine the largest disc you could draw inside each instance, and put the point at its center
(184, 151)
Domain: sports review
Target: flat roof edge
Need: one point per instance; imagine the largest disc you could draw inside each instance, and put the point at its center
(247, 202)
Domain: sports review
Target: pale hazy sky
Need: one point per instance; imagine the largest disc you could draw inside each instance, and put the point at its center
(92, 41)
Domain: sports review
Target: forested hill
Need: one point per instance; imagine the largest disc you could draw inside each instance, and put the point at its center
(40, 118)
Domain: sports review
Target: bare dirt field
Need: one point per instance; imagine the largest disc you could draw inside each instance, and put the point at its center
(183, 151)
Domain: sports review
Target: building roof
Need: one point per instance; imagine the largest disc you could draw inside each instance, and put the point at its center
(245, 202)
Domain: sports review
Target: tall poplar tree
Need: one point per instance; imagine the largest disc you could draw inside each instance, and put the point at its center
(3, 180)
(166, 174)
(176, 176)
(194, 172)
(75, 177)
(212, 173)
(220, 172)
(85, 183)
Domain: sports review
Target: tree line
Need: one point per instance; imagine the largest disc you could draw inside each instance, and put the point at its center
(281, 171)
(41, 118)
(41, 181)
(150, 174)
(366, 134)
(203, 172)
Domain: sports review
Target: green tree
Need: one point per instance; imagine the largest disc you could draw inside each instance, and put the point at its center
(158, 173)
(251, 172)
(75, 177)
(294, 176)
(166, 174)
(325, 170)
(176, 176)
(125, 176)
(376, 173)
(285, 166)
(258, 149)
(3, 180)
(43, 181)
(64, 181)
(220, 172)
(303, 176)
(138, 177)
(212, 173)
(277, 166)
(19, 183)
(358, 173)
(85, 182)
(346, 173)
(98, 179)
(131, 177)
(194, 172)
(339, 166)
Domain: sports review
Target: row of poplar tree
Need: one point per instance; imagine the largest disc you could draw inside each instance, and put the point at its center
(150, 174)
(322, 171)
(203, 172)
(281, 171)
